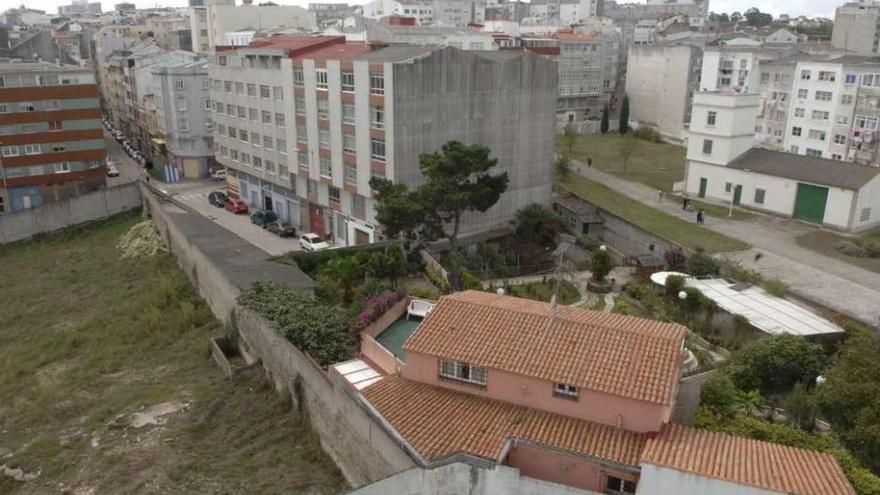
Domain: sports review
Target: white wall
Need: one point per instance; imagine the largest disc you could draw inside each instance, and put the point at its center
(657, 480)
(869, 197)
(733, 131)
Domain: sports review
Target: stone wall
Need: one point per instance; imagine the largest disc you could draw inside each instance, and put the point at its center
(58, 215)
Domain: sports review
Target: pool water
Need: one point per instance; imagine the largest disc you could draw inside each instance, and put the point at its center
(394, 336)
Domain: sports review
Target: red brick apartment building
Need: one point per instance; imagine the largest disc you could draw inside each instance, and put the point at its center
(51, 140)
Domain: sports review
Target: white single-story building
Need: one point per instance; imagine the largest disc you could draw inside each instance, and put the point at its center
(836, 194)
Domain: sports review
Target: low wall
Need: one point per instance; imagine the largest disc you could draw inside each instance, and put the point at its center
(378, 355)
(687, 402)
(357, 443)
(58, 215)
(388, 318)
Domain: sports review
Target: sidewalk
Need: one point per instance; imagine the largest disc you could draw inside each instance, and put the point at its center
(826, 281)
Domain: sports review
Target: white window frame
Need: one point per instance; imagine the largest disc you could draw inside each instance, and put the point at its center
(321, 79)
(62, 167)
(33, 149)
(565, 390)
(463, 372)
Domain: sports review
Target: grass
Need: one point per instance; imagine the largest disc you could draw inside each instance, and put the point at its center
(656, 165)
(542, 291)
(87, 337)
(826, 243)
(688, 235)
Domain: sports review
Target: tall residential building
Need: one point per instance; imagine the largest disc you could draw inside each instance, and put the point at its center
(422, 10)
(697, 11)
(51, 139)
(170, 33)
(857, 27)
(303, 123)
(80, 7)
(211, 22)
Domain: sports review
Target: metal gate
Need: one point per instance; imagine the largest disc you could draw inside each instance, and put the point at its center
(809, 204)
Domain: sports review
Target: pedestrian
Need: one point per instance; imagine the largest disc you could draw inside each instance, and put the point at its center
(684, 204)
(589, 162)
(701, 215)
(659, 195)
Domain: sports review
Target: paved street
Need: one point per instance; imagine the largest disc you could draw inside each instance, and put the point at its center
(832, 283)
(129, 169)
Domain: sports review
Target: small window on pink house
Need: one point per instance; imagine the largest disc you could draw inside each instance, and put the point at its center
(616, 485)
(566, 391)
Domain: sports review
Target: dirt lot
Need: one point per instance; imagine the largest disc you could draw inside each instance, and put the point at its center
(107, 385)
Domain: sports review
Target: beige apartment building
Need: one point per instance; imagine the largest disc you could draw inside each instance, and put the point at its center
(303, 124)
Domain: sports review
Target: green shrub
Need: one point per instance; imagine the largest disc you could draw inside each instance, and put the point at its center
(701, 264)
(776, 287)
(674, 284)
(588, 243)
(719, 394)
(470, 281)
(423, 292)
(776, 363)
(648, 134)
(435, 278)
(600, 265)
(539, 223)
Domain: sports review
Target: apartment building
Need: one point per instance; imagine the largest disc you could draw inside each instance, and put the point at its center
(51, 139)
(857, 27)
(185, 126)
(421, 10)
(697, 11)
(170, 32)
(458, 13)
(578, 398)
(210, 23)
(458, 37)
(303, 123)
(568, 12)
(777, 91)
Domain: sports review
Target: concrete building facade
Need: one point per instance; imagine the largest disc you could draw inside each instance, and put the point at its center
(308, 150)
(857, 27)
(51, 134)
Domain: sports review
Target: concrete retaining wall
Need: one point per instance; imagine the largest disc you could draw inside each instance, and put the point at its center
(58, 215)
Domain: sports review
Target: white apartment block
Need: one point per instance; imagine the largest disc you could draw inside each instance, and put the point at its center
(421, 10)
(303, 124)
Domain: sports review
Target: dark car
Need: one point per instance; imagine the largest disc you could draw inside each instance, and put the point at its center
(236, 205)
(280, 229)
(218, 199)
(262, 217)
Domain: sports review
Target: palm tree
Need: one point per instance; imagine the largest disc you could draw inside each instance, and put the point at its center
(750, 402)
(344, 271)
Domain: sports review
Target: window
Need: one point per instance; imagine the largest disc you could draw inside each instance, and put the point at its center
(277, 93)
(462, 371)
(303, 159)
(324, 138)
(242, 112)
(377, 149)
(799, 112)
(300, 106)
(252, 90)
(10, 150)
(239, 88)
(728, 186)
(253, 114)
(357, 203)
(814, 153)
(863, 122)
(321, 78)
(871, 80)
(865, 215)
(298, 79)
(565, 390)
(617, 485)
(846, 100)
(54, 125)
(270, 166)
(281, 146)
(279, 119)
(282, 171)
(258, 162)
(301, 134)
(267, 117)
(824, 95)
(255, 139)
(334, 193)
(710, 118)
(208, 105)
(264, 91)
(178, 84)
(796, 131)
(803, 94)
(32, 149)
(224, 151)
(243, 135)
(246, 158)
(377, 117)
(817, 135)
(805, 75)
(828, 76)
(377, 83)
(61, 168)
(233, 133)
(836, 156)
(268, 142)
(794, 149)
(820, 115)
(348, 113)
(326, 168)
(348, 143)
(707, 146)
(53, 104)
(323, 108)
(347, 80)
(843, 120)
(4, 108)
(221, 60)
(233, 154)
(230, 109)
(351, 174)
(850, 79)
(27, 107)
(759, 196)
(227, 86)
(839, 139)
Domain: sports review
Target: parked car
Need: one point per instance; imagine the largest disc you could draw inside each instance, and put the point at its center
(280, 229)
(219, 175)
(311, 242)
(218, 199)
(262, 217)
(119, 136)
(236, 205)
(112, 171)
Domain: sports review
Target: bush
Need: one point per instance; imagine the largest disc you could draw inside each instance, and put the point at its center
(600, 265)
(312, 262)
(736, 271)
(701, 264)
(374, 307)
(675, 260)
(719, 394)
(434, 276)
(588, 243)
(314, 328)
(422, 292)
(776, 363)
(539, 223)
(801, 408)
(648, 134)
(674, 285)
(776, 287)
(470, 281)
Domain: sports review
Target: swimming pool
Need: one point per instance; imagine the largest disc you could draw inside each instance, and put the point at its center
(394, 336)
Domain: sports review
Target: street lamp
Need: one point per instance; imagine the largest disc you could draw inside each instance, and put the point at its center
(682, 295)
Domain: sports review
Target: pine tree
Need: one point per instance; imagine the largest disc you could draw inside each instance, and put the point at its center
(624, 115)
(605, 120)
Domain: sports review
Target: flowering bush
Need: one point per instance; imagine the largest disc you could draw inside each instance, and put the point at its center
(373, 307)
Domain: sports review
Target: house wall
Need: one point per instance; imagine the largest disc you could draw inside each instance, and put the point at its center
(545, 465)
(630, 414)
(658, 480)
(868, 198)
(733, 131)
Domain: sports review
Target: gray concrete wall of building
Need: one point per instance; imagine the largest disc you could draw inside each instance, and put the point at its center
(855, 28)
(58, 215)
(480, 99)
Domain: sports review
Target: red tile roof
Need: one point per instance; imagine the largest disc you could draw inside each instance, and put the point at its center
(438, 422)
(341, 52)
(614, 354)
(747, 462)
(295, 42)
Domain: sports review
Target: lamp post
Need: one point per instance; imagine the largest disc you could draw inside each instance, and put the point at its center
(682, 295)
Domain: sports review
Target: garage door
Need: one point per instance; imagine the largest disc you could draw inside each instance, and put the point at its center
(809, 204)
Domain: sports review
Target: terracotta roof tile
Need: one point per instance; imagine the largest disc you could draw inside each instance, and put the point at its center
(748, 462)
(614, 354)
(438, 422)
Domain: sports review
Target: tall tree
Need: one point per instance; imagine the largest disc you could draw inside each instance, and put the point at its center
(562, 167)
(625, 149)
(569, 135)
(754, 17)
(624, 115)
(345, 272)
(606, 117)
(736, 17)
(397, 209)
(457, 180)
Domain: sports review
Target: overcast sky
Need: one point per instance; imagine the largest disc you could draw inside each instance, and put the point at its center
(824, 8)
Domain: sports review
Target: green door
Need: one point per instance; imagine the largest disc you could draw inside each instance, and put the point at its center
(809, 204)
(737, 194)
(704, 182)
